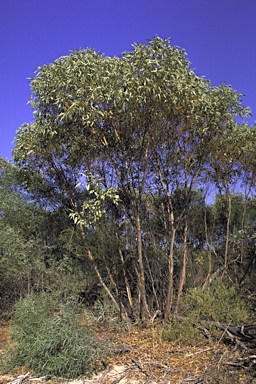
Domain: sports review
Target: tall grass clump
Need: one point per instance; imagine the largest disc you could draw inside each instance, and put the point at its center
(49, 339)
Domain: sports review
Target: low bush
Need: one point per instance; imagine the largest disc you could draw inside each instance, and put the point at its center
(217, 303)
(50, 340)
(182, 332)
(105, 312)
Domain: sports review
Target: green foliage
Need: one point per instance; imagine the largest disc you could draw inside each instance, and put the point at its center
(104, 311)
(19, 256)
(21, 250)
(91, 107)
(34, 251)
(217, 303)
(51, 339)
(94, 208)
(182, 332)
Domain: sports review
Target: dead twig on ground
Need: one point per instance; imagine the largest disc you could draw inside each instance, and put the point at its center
(140, 367)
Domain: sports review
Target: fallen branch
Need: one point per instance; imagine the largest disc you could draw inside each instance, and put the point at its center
(20, 379)
(244, 335)
(140, 367)
(192, 380)
(125, 373)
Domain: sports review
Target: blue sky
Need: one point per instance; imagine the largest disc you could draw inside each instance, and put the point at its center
(218, 35)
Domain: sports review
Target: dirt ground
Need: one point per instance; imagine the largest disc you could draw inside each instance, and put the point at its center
(141, 356)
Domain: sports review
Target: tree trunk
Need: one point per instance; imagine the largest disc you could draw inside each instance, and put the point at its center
(209, 253)
(127, 285)
(144, 311)
(227, 231)
(184, 266)
(169, 298)
(171, 240)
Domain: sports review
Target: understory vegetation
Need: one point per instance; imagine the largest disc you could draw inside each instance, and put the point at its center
(130, 201)
(53, 337)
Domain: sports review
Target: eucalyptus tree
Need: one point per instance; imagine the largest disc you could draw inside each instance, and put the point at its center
(142, 123)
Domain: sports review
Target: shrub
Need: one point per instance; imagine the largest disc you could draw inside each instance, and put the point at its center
(105, 311)
(181, 332)
(50, 340)
(217, 303)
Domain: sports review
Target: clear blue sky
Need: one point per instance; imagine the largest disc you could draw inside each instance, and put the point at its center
(218, 35)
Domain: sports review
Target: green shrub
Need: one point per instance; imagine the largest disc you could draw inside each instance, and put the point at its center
(181, 332)
(50, 340)
(105, 311)
(217, 303)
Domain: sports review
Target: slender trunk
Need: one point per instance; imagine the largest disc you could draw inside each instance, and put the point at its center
(227, 232)
(90, 257)
(171, 241)
(121, 305)
(144, 311)
(152, 283)
(184, 267)
(207, 241)
(169, 298)
(242, 247)
(127, 285)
